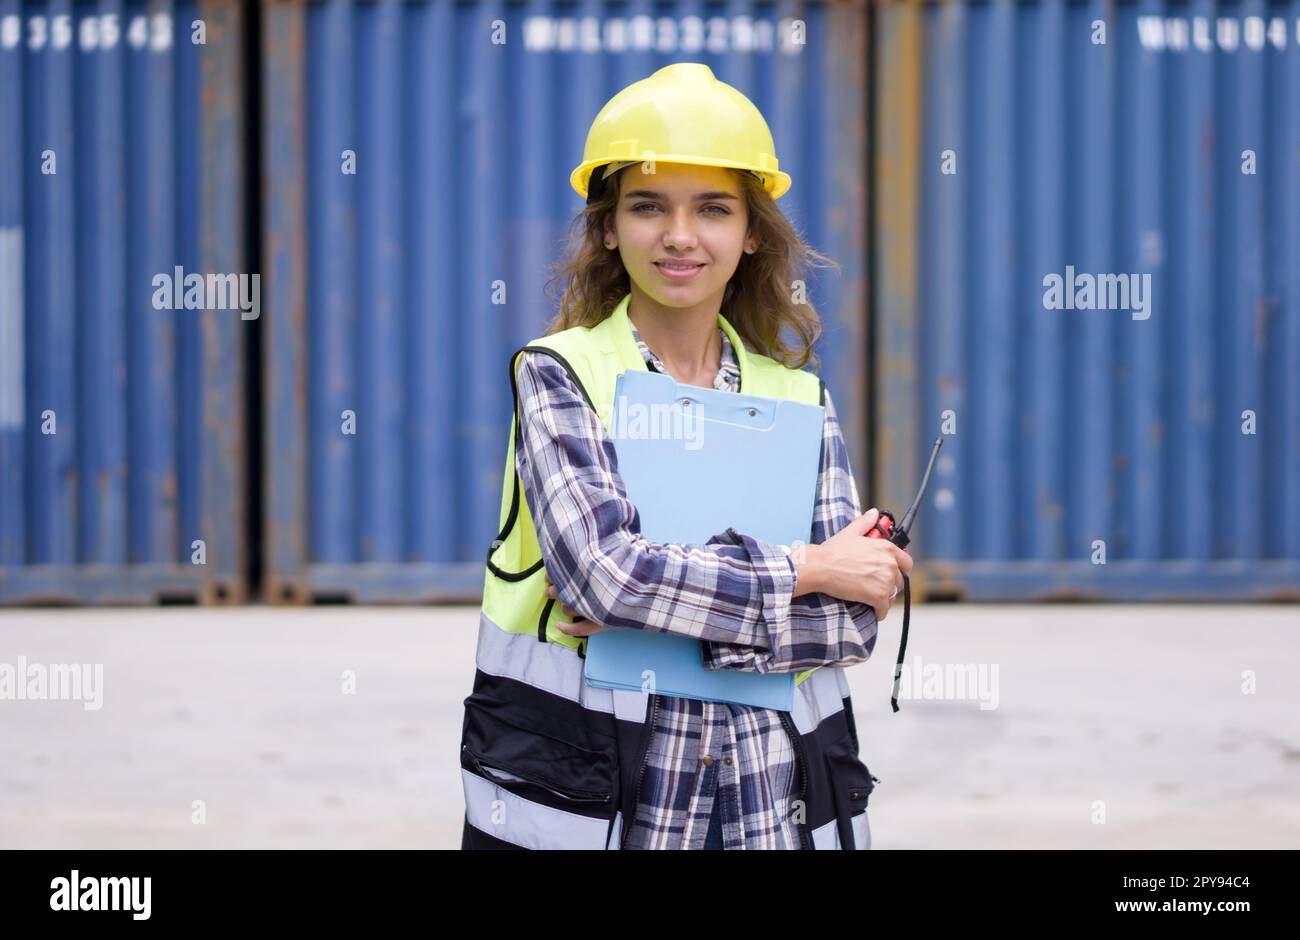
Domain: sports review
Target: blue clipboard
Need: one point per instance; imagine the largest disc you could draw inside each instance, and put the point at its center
(695, 462)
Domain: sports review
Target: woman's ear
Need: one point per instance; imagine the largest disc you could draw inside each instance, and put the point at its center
(611, 242)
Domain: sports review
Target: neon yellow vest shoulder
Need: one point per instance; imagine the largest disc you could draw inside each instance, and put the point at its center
(514, 590)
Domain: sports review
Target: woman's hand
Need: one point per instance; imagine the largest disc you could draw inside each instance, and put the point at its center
(581, 626)
(852, 567)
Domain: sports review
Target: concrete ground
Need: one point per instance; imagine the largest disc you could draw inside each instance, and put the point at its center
(1114, 726)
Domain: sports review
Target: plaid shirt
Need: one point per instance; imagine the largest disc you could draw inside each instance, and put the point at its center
(734, 594)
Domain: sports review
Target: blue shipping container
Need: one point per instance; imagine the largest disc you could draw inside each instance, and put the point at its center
(121, 425)
(1088, 279)
(461, 122)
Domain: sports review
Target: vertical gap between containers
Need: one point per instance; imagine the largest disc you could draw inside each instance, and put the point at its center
(254, 406)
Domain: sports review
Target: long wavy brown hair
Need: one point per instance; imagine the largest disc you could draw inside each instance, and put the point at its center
(759, 301)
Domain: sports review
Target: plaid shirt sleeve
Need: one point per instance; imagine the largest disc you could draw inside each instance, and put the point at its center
(727, 590)
(816, 629)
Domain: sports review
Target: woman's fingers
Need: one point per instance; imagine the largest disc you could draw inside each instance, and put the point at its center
(886, 585)
(582, 628)
(580, 625)
(565, 609)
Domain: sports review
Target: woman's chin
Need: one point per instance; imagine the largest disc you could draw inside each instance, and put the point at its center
(677, 295)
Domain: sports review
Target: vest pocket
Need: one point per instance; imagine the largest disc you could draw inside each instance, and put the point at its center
(501, 744)
(498, 774)
(851, 785)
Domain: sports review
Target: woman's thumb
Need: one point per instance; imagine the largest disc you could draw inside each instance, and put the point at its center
(862, 525)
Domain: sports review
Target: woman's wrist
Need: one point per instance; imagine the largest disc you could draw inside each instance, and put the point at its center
(808, 569)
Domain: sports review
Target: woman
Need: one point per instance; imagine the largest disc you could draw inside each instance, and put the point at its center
(684, 267)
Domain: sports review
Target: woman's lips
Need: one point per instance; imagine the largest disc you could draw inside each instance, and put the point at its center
(679, 273)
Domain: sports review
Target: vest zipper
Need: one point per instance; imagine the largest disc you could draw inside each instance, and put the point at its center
(645, 753)
(801, 760)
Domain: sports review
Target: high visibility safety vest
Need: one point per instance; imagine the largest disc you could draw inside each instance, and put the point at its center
(547, 761)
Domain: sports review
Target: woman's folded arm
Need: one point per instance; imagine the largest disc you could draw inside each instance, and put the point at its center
(815, 629)
(732, 590)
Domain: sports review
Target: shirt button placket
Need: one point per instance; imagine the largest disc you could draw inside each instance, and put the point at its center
(728, 745)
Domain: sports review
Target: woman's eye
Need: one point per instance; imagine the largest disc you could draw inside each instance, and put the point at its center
(722, 210)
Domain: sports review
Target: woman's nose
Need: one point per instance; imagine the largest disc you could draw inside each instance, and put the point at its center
(680, 232)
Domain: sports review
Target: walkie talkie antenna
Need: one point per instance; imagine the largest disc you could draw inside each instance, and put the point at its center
(899, 536)
(906, 523)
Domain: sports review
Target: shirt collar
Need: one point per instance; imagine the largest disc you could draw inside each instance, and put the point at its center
(728, 368)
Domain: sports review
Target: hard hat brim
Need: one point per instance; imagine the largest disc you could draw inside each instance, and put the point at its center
(775, 183)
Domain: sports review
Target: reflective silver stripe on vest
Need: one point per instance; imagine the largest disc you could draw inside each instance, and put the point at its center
(841, 674)
(557, 669)
(547, 666)
(631, 706)
(816, 698)
(616, 836)
(861, 831)
(525, 823)
(828, 836)
(552, 668)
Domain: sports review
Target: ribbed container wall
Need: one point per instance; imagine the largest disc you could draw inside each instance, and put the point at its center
(121, 425)
(1101, 451)
(417, 158)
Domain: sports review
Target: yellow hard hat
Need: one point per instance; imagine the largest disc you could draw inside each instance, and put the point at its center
(681, 114)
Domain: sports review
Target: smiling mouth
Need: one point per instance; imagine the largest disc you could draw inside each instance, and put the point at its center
(673, 266)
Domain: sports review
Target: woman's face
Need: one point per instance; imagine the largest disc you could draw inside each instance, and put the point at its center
(692, 215)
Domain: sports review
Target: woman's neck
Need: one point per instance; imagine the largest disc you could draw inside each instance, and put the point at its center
(685, 339)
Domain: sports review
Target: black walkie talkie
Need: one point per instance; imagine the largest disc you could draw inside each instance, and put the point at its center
(885, 528)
